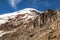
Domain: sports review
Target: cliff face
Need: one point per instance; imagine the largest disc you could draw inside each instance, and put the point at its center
(32, 26)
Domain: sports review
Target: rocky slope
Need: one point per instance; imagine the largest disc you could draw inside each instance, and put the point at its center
(30, 24)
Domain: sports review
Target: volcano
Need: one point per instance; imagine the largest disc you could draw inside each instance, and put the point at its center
(30, 24)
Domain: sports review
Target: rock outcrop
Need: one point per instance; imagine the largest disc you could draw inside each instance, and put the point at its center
(32, 25)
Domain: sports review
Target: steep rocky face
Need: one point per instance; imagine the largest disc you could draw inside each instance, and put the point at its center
(32, 26)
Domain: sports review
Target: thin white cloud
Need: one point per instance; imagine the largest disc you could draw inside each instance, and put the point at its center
(47, 3)
(14, 3)
(42, 3)
(34, 1)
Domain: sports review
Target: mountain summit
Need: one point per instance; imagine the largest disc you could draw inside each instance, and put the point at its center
(5, 17)
(30, 24)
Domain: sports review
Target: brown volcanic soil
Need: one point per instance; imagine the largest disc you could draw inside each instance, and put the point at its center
(46, 26)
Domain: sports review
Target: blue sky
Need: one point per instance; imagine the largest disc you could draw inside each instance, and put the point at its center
(7, 6)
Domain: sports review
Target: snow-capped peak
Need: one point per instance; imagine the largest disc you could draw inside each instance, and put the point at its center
(4, 17)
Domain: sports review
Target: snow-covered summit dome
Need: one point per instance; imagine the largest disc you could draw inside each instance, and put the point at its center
(4, 17)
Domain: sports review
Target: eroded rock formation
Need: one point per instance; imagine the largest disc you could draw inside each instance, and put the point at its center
(33, 26)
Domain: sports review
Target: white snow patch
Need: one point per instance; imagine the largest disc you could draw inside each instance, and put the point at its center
(4, 17)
